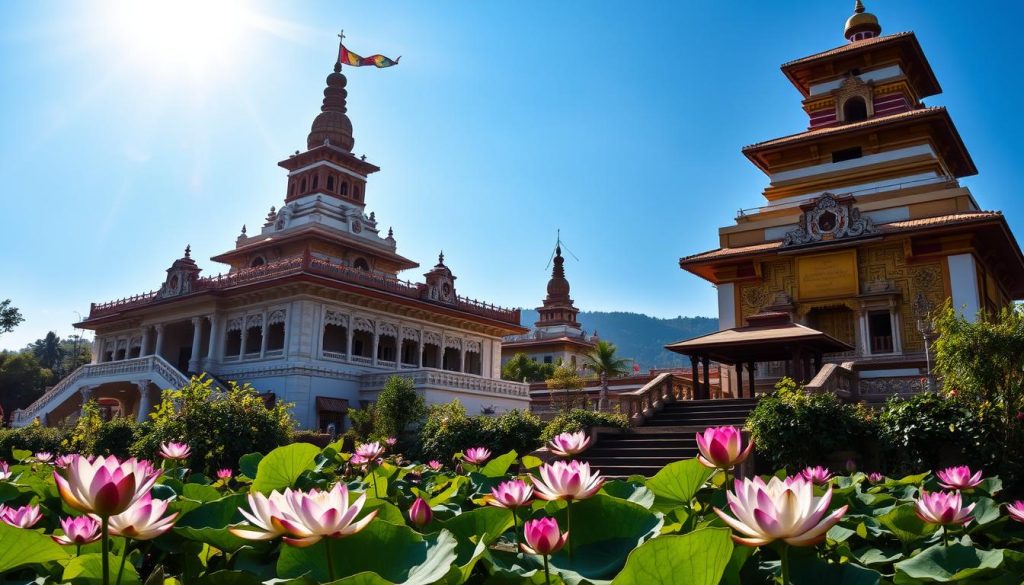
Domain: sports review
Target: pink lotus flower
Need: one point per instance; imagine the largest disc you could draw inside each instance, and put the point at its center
(543, 537)
(43, 457)
(175, 451)
(569, 444)
(65, 460)
(876, 477)
(358, 460)
(225, 474)
(78, 530)
(23, 517)
(722, 447)
(511, 494)
(959, 478)
(817, 475)
(264, 516)
(567, 481)
(370, 451)
(105, 486)
(943, 508)
(779, 510)
(5, 471)
(143, 520)
(1016, 510)
(391, 441)
(435, 465)
(318, 514)
(476, 455)
(420, 513)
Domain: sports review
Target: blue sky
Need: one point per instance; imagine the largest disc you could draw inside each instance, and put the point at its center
(128, 134)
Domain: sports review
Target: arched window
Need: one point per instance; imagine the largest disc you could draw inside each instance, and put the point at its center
(302, 187)
(257, 261)
(330, 182)
(344, 188)
(316, 181)
(855, 110)
(361, 264)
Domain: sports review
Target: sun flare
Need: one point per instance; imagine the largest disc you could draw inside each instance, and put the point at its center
(196, 35)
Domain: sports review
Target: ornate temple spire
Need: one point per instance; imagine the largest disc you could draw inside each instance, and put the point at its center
(558, 307)
(332, 124)
(862, 25)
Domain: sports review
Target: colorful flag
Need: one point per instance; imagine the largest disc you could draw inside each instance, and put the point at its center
(346, 57)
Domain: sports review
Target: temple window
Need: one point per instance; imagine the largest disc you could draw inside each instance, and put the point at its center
(386, 347)
(302, 187)
(316, 181)
(257, 261)
(330, 182)
(451, 360)
(431, 355)
(548, 359)
(335, 340)
(880, 331)
(361, 264)
(233, 344)
(253, 339)
(275, 336)
(473, 363)
(362, 344)
(855, 109)
(344, 188)
(846, 154)
(410, 352)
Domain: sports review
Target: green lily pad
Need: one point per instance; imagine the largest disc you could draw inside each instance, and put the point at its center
(942, 564)
(209, 523)
(498, 466)
(677, 483)
(697, 558)
(88, 570)
(248, 464)
(19, 547)
(904, 524)
(632, 491)
(282, 466)
(808, 569)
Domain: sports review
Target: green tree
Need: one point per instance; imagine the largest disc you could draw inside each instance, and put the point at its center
(983, 361)
(10, 317)
(22, 380)
(49, 352)
(568, 383)
(523, 368)
(77, 352)
(603, 361)
(398, 405)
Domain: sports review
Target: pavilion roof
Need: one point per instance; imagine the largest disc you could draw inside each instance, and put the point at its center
(759, 343)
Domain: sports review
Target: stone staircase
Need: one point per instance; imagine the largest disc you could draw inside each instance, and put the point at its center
(665, 437)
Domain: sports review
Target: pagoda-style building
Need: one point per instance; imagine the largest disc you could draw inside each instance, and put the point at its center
(557, 336)
(865, 228)
(311, 310)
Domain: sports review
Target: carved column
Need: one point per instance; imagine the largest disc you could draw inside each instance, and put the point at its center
(419, 350)
(244, 336)
(462, 356)
(707, 378)
(376, 344)
(751, 368)
(144, 347)
(159, 349)
(98, 349)
(739, 380)
(214, 348)
(145, 404)
(263, 336)
(197, 336)
(694, 376)
(348, 342)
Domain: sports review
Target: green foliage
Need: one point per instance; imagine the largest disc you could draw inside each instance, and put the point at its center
(117, 436)
(604, 361)
(792, 429)
(449, 430)
(697, 558)
(22, 379)
(10, 316)
(33, 437)
(398, 405)
(521, 368)
(566, 387)
(219, 427)
(87, 428)
(282, 466)
(362, 423)
(579, 419)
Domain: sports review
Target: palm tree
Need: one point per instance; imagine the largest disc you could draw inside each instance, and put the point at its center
(48, 351)
(602, 361)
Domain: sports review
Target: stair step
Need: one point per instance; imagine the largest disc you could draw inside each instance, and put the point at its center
(600, 464)
(651, 443)
(627, 470)
(631, 452)
(709, 422)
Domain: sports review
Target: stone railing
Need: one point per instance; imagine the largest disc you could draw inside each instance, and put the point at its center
(639, 404)
(142, 365)
(425, 377)
(881, 389)
(839, 379)
(309, 265)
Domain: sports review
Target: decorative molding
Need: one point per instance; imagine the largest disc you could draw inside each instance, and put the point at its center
(388, 329)
(362, 324)
(234, 324)
(432, 337)
(277, 316)
(335, 318)
(253, 321)
(452, 342)
(829, 218)
(472, 345)
(410, 333)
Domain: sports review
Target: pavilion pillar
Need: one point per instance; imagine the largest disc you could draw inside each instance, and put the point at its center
(144, 346)
(739, 380)
(211, 351)
(751, 368)
(263, 335)
(97, 351)
(376, 346)
(159, 348)
(817, 362)
(197, 336)
(348, 342)
(707, 377)
(462, 357)
(694, 377)
(144, 401)
(419, 350)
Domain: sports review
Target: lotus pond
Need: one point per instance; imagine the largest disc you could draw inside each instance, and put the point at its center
(301, 514)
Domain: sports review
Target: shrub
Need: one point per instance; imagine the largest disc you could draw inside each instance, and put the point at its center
(398, 405)
(579, 419)
(116, 437)
(33, 437)
(449, 430)
(220, 427)
(793, 429)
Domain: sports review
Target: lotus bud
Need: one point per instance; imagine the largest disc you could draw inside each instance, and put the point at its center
(959, 478)
(817, 475)
(511, 494)
(543, 537)
(420, 513)
(1016, 510)
(78, 530)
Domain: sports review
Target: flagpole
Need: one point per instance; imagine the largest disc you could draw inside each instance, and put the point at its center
(341, 47)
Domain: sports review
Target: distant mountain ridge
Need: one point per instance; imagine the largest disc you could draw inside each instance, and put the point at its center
(640, 337)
